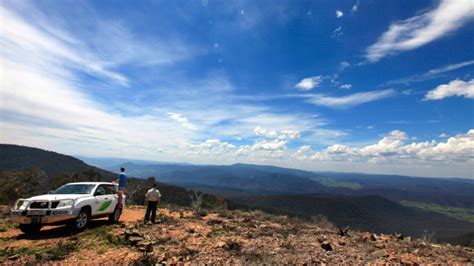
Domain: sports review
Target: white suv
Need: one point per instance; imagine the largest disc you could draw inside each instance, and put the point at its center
(74, 204)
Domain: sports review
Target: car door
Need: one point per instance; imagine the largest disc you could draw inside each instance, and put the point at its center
(103, 201)
(112, 192)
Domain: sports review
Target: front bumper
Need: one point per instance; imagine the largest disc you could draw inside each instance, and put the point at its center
(23, 217)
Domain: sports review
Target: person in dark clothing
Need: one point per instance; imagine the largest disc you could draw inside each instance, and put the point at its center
(152, 199)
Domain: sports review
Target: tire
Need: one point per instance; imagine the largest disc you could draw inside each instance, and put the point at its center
(30, 228)
(115, 216)
(82, 220)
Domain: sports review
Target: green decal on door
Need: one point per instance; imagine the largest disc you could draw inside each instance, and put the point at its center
(105, 205)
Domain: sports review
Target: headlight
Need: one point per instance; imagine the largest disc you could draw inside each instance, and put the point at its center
(21, 205)
(65, 203)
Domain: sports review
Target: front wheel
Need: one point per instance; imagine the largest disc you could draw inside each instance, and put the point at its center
(115, 216)
(30, 228)
(82, 221)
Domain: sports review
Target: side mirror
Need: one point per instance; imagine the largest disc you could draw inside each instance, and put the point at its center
(51, 192)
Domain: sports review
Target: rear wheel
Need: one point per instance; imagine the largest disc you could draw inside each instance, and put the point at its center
(30, 228)
(115, 216)
(82, 220)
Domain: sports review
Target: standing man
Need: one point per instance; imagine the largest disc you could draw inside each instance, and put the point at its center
(122, 182)
(152, 199)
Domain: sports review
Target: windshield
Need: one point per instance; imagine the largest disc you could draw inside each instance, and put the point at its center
(74, 189)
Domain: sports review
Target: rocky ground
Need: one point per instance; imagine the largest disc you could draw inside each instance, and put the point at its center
(219, 237)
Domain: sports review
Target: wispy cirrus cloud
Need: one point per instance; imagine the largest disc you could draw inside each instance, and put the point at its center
(343, 65)
(349, 100)
(44, 45)
(182, 120)
(337, 32)
(46, 99)
(422, 29)
(432, 73)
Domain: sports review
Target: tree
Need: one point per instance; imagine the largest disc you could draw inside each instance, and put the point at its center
(91, 175)
(14, 185)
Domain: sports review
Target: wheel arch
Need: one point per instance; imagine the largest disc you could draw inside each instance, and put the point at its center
(87, 208)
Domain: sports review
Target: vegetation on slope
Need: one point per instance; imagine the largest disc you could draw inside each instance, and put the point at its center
(458, 213)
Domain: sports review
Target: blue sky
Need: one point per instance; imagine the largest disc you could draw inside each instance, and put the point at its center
(363, 86)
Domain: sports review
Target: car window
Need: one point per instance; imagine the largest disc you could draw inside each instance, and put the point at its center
(100, 191)
(110, 189)
(74, 189)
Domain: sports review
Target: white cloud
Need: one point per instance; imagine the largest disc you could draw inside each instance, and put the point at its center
(302, 153)
(422, 29)
(339, 13)
(453, 88)
(350, 100)
(269, 145)
(262, 148)
(211, 147)
(303, 149)
(393, 149)
(443, 135)
(243, 150)
(370, 127)
(182, 120)
(282, 134)
(343, 65)
(355, 7)
(309, 83)
(386, 146)
(346, 86)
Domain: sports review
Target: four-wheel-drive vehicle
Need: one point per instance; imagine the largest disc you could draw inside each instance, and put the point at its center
(73, 203)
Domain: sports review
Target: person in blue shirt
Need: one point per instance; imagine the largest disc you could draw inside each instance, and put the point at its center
(122, 182)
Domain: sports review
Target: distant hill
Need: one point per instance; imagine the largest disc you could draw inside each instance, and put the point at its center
(456, 192)
(21, 158)
(107, 163)
(370, 213)
(248, 179)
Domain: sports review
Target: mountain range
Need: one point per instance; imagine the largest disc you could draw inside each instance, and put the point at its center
(246, 179)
